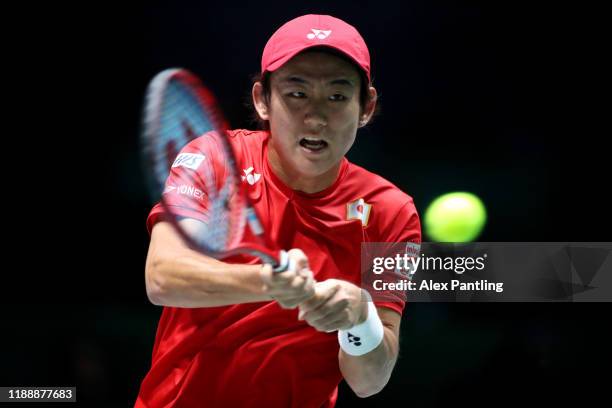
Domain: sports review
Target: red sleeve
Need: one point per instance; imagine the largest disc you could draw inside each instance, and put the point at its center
(405, 227)
(395, 306)
(196, 169)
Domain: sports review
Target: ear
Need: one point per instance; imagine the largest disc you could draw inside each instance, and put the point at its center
(259, 101)
(369, 108)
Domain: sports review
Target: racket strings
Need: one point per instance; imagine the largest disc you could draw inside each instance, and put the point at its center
(223, 213)
(178, 111)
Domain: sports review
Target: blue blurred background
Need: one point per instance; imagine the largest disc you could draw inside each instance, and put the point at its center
(496, 98)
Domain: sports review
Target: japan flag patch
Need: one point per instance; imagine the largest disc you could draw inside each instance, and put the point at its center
(359, 210)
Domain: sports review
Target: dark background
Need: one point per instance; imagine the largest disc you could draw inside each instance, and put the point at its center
(497, 98)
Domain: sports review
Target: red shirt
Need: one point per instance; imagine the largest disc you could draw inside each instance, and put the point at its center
(257, 354)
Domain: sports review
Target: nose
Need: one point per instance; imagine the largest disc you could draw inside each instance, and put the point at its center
(315, 119)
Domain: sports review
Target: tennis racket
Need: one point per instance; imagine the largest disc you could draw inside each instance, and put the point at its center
(178, 108)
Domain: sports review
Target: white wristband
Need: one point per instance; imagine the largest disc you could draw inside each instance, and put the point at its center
(364, 337)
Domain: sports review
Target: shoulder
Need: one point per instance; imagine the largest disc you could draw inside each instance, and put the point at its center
(376, 188)
(245, 136)
(243, 142)
(247, 142)
(237, 137)
(392, 211)
(248, 145)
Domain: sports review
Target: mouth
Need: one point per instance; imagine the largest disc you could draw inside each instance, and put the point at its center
(313, 145)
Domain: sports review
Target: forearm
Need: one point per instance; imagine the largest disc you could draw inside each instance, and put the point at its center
(368, 374)
(192, 280)
(176, 275)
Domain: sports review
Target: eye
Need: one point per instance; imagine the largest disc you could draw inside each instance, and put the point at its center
(296, 94)
(337, 97)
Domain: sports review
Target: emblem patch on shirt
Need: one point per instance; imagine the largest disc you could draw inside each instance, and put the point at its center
(250, 176)
(189, 160)
(185, 190)
(413, 251)
(359, 210)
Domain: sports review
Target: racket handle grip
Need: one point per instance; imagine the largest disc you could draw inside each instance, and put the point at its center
(285, 263)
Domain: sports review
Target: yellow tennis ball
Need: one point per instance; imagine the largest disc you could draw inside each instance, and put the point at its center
(455, 217)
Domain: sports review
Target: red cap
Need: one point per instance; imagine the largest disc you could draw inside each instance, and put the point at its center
(310, 31)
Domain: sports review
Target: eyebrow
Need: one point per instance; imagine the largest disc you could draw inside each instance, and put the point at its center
(301, 80)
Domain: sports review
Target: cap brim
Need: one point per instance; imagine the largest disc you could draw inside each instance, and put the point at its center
(279, 63)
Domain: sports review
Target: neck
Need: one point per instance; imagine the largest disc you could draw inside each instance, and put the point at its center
(298, 181)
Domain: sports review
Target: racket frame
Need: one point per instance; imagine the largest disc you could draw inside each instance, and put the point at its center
(151, 127)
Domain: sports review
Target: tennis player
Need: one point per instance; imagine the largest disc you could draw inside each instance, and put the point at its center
(234, 334)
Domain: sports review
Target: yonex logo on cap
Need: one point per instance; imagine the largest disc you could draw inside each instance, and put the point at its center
(320, 34)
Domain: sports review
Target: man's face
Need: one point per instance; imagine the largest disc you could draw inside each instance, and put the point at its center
(314, 112)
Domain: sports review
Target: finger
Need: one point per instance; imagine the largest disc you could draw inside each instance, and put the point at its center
(288, 289)
(298, 283)
(317, 302)
(306, 284)
(297, 259)
(325, 315)
(331, 323)
(335, 325)
(288, 278)
(291, 303)
(309, 286)
(313, 303)
(302, 281)
(305, 272)
(272, 279)
(310, 280)
(282, 278)
(298, 266)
